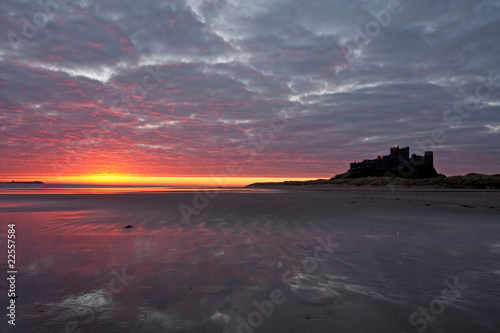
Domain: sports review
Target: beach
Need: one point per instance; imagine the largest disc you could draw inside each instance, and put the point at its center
(283, 259)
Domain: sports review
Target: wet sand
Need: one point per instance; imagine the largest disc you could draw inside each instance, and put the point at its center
(353, 259)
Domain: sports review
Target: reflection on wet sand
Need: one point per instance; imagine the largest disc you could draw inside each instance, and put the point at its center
(80, 269)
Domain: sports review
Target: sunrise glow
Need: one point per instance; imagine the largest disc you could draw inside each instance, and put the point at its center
(154, 181)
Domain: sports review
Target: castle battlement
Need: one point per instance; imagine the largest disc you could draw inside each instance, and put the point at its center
(397, 157)
(398, 163)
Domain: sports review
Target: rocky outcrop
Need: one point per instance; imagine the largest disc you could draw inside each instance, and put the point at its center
(404, 171)
(476, 181)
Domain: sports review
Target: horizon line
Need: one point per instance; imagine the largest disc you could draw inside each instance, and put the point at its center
(129, 180)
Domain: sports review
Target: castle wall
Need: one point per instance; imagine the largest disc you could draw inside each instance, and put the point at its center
(396, 158)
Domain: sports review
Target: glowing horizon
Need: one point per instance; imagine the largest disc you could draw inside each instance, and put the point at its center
(124, 180)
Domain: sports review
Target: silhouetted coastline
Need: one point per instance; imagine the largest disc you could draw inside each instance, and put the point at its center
(472, 180)
(14, 182)
(399, 168)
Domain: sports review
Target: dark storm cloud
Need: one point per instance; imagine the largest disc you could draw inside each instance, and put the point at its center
(178, 87)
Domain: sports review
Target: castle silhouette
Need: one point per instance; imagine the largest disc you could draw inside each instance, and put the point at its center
(398, 163)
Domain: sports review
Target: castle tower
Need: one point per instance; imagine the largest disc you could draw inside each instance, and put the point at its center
(429, 158)
(396, 152)
(405, 152)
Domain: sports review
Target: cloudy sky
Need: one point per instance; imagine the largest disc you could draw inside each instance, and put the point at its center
(282, 88)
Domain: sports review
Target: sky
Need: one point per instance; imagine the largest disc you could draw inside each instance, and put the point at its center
(275, 88)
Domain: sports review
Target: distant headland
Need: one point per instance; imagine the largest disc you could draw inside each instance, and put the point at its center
(14, 182)
(399, 168)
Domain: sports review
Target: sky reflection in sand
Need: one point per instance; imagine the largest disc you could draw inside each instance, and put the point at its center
(55, 189)
(203, 276)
